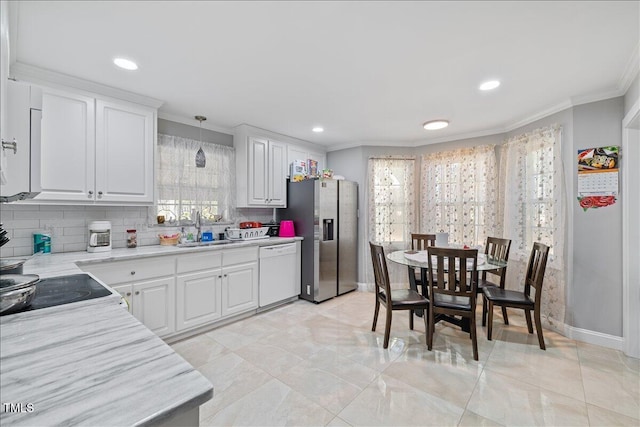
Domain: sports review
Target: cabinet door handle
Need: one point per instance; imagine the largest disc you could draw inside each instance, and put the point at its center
(133, 272)
(128, 294)
(225, 275)
(13, 145)
(90, 194)
(219, 277)
(99, 194)
(137, 292)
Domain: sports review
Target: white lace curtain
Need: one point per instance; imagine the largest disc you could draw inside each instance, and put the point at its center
(532, 196)
(391, 208)
(183, 188)
(459, 194)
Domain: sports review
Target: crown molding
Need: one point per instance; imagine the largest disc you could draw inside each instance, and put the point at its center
(631, 71)
(37, 75)
(193, 122)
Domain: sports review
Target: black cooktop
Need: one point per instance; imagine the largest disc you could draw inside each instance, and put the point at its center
(60, 290)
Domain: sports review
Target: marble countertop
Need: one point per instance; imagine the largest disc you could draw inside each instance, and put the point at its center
(91, 364)
(58, 264)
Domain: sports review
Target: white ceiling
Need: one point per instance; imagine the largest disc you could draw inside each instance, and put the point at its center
(368, 72)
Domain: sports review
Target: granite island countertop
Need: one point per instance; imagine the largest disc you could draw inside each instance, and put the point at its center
(91, 364)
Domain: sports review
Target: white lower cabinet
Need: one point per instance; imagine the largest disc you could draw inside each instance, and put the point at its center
(198, 299)
(174, 294)
(152, 303)
(239, 288)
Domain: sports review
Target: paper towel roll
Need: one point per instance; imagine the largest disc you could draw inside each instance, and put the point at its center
(442, 240)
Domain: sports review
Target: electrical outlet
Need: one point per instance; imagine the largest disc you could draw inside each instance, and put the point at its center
(308, 289)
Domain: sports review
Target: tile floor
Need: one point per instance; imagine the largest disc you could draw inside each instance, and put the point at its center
(307, 364)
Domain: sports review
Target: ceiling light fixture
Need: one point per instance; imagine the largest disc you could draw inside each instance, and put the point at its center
(491, 84)
(201, 160)
(318, 129)
(125, 64)
(436, 124)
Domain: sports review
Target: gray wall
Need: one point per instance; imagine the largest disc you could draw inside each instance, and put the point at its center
(193, 132)
(593, 245)
(596, 300)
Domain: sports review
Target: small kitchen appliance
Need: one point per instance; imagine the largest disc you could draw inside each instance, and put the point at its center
(99, 236)
(286, 229)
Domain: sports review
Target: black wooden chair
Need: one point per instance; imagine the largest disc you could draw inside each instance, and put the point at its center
(524, 300)
(499, 249)
(419, 242)
(396, 299)
(451, 292)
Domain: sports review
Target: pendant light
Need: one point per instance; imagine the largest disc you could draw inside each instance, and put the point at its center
(201, 161)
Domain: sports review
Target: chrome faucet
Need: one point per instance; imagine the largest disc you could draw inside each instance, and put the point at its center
(198, 226)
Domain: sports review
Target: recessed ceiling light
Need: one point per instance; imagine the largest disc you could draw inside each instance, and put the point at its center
(126, 64)
(436, 124)
(318, 129)
(491, 84)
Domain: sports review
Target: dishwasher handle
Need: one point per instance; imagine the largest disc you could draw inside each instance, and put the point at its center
(277, 250)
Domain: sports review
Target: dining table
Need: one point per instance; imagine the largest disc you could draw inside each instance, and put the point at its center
(418, 259)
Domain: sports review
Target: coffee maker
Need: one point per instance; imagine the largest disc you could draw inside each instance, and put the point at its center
(99, 236)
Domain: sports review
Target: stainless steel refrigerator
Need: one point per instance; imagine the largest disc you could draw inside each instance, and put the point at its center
(325, 213)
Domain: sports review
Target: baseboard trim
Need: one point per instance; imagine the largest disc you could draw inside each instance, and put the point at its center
(593, 337)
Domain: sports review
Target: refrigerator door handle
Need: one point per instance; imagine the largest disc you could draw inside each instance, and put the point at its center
(327, 229)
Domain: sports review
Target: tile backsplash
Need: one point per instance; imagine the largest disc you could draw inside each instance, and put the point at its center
(68, 225)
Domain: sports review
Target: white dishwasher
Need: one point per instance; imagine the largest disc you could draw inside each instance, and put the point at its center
(278, 273)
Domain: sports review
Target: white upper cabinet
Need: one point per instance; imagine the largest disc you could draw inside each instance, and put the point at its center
(297, 152)
(260, 171)
(96, 151)
(263, 161)
(124, 152)
(67, 147)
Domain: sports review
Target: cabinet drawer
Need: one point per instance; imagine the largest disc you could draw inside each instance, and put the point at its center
(239, 256)
(199, 261)
(128, 271)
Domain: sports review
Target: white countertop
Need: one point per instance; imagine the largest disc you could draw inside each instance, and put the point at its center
(92, 363)
(48, 265)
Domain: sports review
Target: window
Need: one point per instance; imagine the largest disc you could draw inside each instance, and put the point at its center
(459, 194)
(532, 196)
(391, 200)
(531, 178)
(184, 189)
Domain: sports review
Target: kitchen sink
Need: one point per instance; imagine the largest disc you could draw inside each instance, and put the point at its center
(198, 244)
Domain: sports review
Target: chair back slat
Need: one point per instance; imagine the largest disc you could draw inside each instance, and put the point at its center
(461, 283)
(420, 242)
(535, 270)
(498, 248)
(380, 271)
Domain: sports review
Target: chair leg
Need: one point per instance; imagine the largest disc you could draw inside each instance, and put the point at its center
(411, 319)
(474, 337)
(504, 315)
(490, 320)
(536, 315)
(484, 311)
(375, 315)
(426, 326)
(431, 330)
(387, 328)
(527, 315)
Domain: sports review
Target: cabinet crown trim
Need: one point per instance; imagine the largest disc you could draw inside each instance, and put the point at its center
(42, 76)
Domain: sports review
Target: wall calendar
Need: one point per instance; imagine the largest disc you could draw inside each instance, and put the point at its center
(598, 174)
